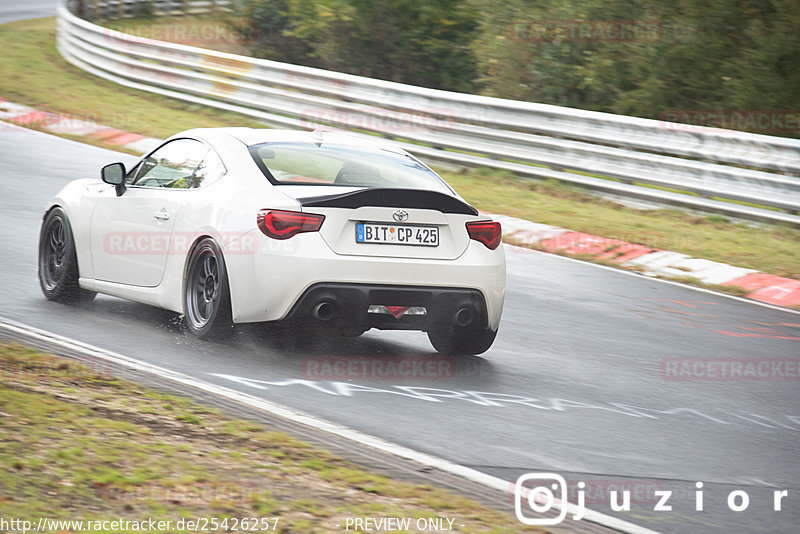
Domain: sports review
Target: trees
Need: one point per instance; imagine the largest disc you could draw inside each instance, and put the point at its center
(420, 42)
(708, 55)
(689, 55)
(266, 27)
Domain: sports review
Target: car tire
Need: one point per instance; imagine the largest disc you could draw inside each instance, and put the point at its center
(455, 341)
(58, 261)
(206, 294)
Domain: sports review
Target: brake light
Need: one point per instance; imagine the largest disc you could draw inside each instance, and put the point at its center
(279, 224)
(487, 232)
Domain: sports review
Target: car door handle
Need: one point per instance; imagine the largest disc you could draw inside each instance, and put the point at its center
(161, 215)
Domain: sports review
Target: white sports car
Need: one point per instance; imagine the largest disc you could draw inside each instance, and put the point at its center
(237, 225)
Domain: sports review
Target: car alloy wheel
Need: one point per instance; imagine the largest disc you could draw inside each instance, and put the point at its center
(58, 263)
(207, 298)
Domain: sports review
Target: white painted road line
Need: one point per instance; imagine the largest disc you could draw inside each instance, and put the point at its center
(25, 331)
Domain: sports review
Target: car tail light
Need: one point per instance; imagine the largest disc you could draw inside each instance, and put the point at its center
(486, 232)
(279, 224)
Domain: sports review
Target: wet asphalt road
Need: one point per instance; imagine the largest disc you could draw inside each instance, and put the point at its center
(26, 9)
(576, 383)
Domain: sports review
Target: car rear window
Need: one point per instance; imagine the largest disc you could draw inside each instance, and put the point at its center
(324, 164)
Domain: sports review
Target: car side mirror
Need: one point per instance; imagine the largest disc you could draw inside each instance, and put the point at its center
(114, 174)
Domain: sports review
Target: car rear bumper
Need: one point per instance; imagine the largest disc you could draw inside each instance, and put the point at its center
(363, 306)
(268, 284)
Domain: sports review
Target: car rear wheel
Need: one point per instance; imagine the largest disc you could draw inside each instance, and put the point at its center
(207, 301)
(58, 261)
(461, 341)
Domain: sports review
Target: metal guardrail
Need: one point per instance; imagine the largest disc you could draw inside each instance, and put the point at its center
(114, 9)
(704, 169)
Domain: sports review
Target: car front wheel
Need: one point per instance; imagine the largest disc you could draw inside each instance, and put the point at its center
(58, 261)
(207, 301)
(461, 341)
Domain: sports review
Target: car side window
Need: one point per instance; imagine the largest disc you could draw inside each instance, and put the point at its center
(172, 166)
(209, 170)
(132, 174)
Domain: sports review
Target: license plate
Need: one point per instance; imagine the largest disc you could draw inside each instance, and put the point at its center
(392, 234)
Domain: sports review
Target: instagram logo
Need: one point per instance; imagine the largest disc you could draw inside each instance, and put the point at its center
(541, 498)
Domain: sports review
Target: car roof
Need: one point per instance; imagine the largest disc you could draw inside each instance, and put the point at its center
(255, 136)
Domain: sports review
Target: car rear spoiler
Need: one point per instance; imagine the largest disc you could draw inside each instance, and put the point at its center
(391, 198)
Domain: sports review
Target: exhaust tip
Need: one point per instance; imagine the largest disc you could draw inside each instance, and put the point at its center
(324, 311)
(464, 316)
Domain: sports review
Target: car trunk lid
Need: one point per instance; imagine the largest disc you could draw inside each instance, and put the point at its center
(387, 222)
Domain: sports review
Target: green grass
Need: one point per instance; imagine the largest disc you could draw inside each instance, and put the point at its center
(68, 454)
(36, 75)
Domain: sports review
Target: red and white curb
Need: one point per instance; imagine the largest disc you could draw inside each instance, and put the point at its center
(650, 261)
(19, 115)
